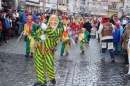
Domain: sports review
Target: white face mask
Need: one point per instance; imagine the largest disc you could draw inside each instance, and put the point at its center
(53, 23)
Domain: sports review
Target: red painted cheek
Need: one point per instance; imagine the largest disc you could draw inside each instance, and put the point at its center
(55, 23)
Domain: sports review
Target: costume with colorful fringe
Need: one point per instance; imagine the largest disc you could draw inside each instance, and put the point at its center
(29, 30)
(65, 42)
(83, 39)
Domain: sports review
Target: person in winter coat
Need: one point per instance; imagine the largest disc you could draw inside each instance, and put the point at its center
(5, 26)
(34, 17)
(88, 27)
(116, 37)
(125, 43)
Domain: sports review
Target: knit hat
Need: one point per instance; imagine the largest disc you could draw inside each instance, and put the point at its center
(116, 18)
(117, 25)
(104, 19)
(26, 11)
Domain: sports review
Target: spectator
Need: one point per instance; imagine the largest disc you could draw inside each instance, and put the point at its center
(125, 43)
(5, 7)
(6, 26)
(34, 16)
(24, 14)
(19, 26)
(88, 27)
(0, 29)
(14, 14)
(116, 37)
(14, 27)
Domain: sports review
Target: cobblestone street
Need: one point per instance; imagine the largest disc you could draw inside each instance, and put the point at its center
(73, 70)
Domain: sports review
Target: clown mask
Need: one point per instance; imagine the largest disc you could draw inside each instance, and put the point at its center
(83, 30)
(53, 22)
(29, 18)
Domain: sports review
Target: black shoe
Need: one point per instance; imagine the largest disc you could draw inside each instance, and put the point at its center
(113, 60)
(39, 84)
(53, 81)
(31, 56)
(126, 63)
(115, 53)
(61, 54)
(27, 55)
(67, 54)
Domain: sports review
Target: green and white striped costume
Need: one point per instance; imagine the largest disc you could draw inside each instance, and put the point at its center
(44, 57)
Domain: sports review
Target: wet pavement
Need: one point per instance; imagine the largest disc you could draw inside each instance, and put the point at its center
(73, 70)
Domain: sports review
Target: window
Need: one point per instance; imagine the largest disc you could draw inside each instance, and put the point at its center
(113, 5)
(48, 1)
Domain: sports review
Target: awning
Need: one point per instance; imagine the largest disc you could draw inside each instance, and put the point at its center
(33, 4)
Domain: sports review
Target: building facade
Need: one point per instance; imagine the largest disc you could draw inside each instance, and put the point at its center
(54, 5)
(98, 7)
(63, 5)
(113, 7)
(120, 8)
(33, 5)
(71, 7)
(14, 3)
(126, 8)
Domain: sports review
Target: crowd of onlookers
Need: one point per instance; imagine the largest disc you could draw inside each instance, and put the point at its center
(9, 22)
(13, 20)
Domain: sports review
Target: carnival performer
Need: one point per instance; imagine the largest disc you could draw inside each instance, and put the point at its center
(87, 25)
(93, 30)
(81, 23)
(29, 29)
(82, 38)
(106, 30)
(73, 27)
(46, 38)
(66, 40)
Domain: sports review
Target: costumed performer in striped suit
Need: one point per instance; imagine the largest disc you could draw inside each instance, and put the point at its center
(46, 38)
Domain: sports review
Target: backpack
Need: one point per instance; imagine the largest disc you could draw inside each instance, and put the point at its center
(0, 26)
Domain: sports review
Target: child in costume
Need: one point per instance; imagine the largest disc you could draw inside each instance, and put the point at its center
(65, 42)
(83, 39)
(29, 29)
(46, 38)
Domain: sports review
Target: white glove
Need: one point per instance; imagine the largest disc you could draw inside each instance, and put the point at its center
(23, 33)
(43, 37)
(43, 26)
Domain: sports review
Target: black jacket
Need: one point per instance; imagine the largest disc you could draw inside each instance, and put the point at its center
(87, 26)
(98, 26)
